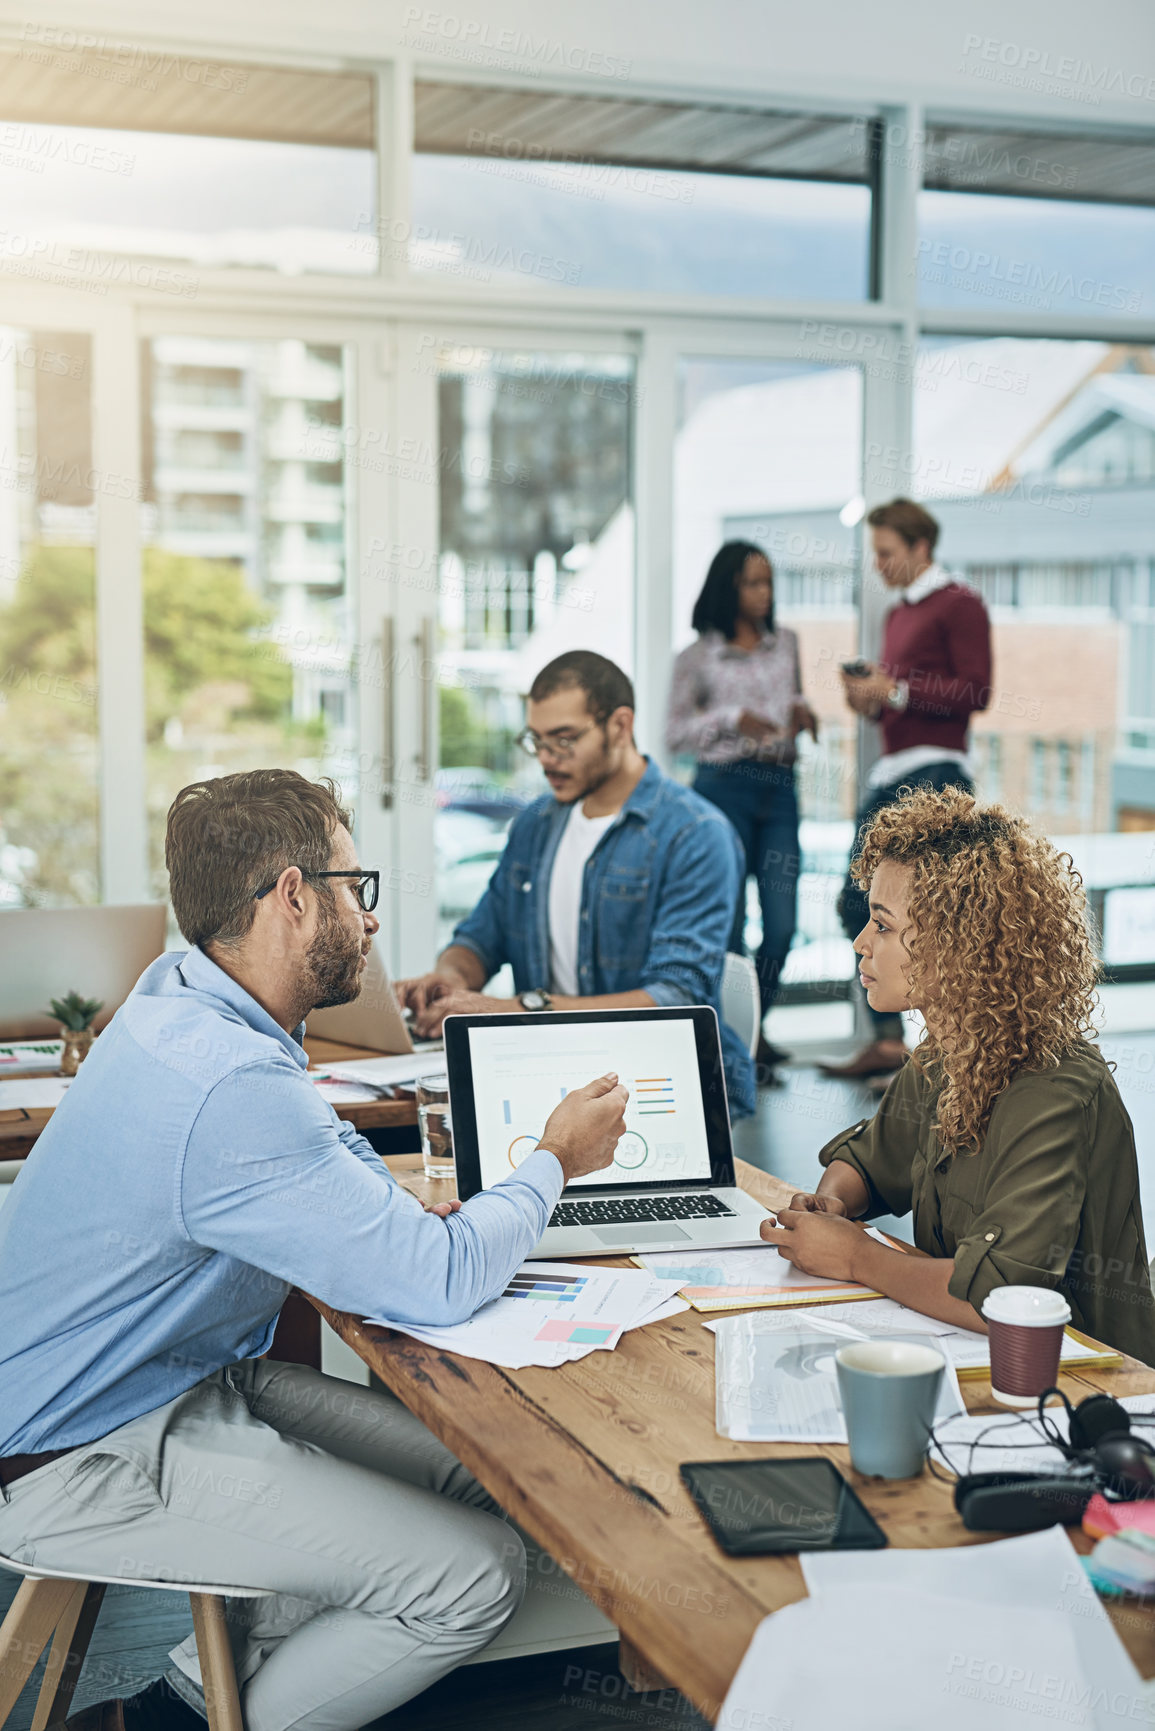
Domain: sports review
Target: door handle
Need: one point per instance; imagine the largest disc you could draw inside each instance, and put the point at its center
(426, 675)
(388, 670)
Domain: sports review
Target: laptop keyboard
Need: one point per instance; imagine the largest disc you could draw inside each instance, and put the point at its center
(625, 1210)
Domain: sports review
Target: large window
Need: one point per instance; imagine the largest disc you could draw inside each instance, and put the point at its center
(536, 557)
(135, 166)
(756, 373)
(249, 639)
(583, 192)
(49, 843)
(1036, 222)
(1025, 255)
(1045, 490)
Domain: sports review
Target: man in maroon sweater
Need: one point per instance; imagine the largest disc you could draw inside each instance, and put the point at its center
(934, 673)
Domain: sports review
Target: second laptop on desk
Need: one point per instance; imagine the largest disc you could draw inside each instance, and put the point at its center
(372, 1019)
(671, 1185)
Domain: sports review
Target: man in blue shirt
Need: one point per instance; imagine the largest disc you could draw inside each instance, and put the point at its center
(191, 1176)
(616, 889)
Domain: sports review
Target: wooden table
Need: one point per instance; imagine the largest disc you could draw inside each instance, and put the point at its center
(586, 1458)
(19, 1127)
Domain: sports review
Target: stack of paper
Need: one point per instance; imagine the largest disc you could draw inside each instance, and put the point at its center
(1124, 1559)
(775, 1380)
(967, 1351)
(341, 1093)
(18, 1057)
(552, 1313)
(745, 1279)
(396, 1072)
(989, 1637)
(33, 1093)
(1124, 1562)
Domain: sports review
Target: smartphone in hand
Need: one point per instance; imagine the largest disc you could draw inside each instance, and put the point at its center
(855, 669)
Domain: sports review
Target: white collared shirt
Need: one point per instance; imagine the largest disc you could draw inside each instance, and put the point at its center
(934, 577)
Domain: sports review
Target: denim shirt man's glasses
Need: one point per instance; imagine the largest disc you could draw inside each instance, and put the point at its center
(561, 747)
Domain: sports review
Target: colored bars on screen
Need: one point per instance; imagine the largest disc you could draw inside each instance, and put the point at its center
(655, 1096)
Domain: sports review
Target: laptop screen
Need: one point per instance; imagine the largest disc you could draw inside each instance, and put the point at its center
(520, 1074)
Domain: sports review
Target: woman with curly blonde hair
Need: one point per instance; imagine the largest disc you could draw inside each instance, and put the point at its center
(1005, 1134)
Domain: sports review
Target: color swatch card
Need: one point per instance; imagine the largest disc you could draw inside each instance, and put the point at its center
(552, 1313)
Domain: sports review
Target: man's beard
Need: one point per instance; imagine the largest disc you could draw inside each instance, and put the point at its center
(334, 958)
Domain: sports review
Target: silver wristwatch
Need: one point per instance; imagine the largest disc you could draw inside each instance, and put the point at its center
(535, 999)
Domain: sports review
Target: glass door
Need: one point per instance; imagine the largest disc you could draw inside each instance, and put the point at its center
(535, 556)
(770, 452)
(50, 489)
(250, 638)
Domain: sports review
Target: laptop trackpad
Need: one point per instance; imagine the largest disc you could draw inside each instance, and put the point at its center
(656, 1234)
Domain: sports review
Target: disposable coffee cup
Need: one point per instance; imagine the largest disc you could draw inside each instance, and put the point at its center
(1026, 1325)
(889, 1392)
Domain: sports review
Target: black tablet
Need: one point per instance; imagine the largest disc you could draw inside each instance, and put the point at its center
(507, 1074)
(803, 1503)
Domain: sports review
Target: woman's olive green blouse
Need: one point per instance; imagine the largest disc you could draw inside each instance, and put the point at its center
(1050, 1199)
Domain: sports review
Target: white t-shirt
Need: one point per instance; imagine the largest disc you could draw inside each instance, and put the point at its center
(579, 839)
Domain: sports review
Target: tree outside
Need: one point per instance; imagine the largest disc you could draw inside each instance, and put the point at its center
(218, 699)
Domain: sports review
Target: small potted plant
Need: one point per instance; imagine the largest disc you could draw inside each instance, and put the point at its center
(75, 1015)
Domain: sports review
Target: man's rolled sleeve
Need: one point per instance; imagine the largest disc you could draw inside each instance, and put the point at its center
(667, 993)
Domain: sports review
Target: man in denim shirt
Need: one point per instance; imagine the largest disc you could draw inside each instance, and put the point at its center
(617, 892)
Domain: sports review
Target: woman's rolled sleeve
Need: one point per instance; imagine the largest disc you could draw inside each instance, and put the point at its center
(882, 1149)
(1027, 1226)
(989, 1258)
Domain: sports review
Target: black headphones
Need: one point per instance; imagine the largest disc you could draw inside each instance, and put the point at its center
(1100, 1436)
(1101, 1446)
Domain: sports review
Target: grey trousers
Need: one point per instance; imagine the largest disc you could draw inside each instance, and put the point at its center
(389, 1562)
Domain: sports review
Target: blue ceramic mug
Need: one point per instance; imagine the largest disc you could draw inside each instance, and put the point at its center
(889, 1391)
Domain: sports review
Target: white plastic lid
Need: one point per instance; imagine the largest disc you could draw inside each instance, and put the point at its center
(1026, 1306)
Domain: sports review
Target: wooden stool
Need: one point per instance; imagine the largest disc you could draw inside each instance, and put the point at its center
(54, 1605)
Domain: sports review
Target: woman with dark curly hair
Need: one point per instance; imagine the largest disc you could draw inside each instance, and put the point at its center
(736, 703)
(1005, 1134)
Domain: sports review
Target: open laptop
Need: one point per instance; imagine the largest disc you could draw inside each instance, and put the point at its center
(373, 1018)
(671, 1186)
(48, 952)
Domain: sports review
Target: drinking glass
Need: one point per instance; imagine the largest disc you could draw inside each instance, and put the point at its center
(436, 1124)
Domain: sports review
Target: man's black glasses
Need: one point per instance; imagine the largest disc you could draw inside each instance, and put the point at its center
(366, 889)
